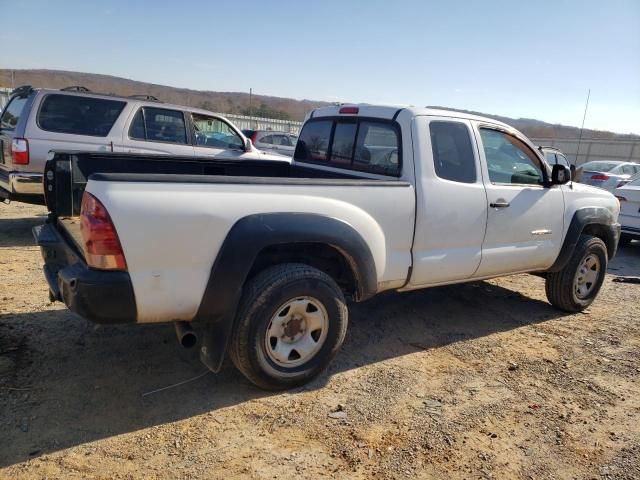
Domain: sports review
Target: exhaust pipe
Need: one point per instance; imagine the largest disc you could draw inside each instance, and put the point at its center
(187, 337)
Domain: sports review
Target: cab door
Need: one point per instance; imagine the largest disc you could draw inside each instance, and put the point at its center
(525, 219)
(451, 203)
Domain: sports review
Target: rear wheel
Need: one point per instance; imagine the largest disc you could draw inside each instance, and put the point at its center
(291, 321)
(576, 286)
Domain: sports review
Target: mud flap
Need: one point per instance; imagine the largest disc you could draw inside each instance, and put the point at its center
(214, 343)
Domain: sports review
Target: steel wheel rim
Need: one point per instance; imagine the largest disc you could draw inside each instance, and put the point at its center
(586, 276)
(296, 332)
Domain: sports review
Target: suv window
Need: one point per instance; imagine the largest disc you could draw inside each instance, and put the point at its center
(159, 125)
(550, 157)
(509, 160)
(78, 115)
(452, 151)
(213, 132)
(562, 160)
(12, 112)
(266, 139)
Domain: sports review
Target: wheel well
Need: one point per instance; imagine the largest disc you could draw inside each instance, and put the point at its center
(325, 258)
(599, 231)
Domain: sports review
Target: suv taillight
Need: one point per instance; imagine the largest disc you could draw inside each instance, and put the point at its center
(101, 244)
(20, 151)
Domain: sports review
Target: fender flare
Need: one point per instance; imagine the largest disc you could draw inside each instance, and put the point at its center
(581, 219)
(246, 239)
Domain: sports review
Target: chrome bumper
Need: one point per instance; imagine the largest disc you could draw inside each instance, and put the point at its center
(22, 183)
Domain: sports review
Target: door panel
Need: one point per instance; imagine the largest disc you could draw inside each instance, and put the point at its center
(525, 220)
(451, 210)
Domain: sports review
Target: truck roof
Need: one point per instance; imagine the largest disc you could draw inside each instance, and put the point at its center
(392, 111)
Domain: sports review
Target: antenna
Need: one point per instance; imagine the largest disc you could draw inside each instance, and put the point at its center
(586, 105)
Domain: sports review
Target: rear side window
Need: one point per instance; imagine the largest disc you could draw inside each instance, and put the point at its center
(266, 139)
(159, 125)
(12, 112)
(365, 145)
(79, 115)
(453, 157)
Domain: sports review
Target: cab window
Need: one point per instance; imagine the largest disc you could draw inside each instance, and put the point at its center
(453, 157)
(510, 160)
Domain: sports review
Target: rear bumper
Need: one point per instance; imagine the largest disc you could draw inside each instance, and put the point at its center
(22, 183)
(100, 296)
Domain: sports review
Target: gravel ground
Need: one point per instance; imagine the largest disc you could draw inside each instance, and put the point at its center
(483, 380)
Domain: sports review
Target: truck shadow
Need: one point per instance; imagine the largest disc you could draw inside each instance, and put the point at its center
(70, 382)
(16, 232)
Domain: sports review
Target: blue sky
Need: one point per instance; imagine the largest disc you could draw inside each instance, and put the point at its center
(520, 59)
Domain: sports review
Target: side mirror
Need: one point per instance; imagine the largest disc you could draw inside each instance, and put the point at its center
(248, 145)
(560, 175)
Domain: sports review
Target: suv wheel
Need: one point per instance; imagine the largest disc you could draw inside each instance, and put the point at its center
(576, 286)
(291, 321)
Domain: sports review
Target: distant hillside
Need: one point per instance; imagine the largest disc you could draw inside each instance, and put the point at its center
(238, 102)
(224, 102)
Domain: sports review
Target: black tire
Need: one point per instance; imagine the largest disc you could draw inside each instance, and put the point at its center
(262, 297)
(560, 287)
(625, 241)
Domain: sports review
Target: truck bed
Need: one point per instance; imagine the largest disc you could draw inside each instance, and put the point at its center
(66, 175)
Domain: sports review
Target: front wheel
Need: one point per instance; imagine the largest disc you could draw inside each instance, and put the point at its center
(291, 321)
(576, 286)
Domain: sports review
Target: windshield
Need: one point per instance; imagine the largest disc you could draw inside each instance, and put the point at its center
(600, 166)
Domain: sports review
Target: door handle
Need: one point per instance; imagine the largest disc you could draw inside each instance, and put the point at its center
(500, 203)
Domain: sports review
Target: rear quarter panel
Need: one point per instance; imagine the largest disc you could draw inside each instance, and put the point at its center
(171, 232)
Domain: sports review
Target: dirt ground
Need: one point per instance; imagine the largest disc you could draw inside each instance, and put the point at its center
(484, 380)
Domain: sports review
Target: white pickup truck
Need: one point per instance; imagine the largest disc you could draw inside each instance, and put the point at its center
(264, 257)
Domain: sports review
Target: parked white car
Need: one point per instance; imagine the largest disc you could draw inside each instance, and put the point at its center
(607, 174)
(376, 199)
(629, 197)
(283, 143)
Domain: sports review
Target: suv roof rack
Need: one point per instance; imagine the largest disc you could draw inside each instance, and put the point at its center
(150, 98)
(75, 88)
(22, 91)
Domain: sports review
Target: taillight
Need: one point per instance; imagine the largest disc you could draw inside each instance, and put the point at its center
(20, 151)
(600, 177)
(101, 244)
(351, 110)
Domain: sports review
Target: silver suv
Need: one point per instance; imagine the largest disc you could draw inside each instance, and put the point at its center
(37, 121)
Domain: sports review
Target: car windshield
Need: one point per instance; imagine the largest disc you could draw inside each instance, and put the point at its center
(600, 166)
